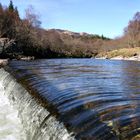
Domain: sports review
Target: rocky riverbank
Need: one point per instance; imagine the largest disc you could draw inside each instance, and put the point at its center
(4, 62)
(133, 58)
(137, 58)
(132, 54)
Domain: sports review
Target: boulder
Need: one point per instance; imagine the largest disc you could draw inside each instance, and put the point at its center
(3, 62)
(26, 58)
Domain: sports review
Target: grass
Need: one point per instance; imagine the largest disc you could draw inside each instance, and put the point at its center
(125, 52)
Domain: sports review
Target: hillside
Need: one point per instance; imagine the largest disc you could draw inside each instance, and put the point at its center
(71, 44)
(56, 43)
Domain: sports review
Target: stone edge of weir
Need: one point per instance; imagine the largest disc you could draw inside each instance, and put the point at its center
(37, 122)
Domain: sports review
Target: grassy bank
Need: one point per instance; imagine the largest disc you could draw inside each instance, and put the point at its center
(125, 53)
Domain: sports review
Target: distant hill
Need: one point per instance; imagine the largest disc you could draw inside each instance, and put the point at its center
(70, 32)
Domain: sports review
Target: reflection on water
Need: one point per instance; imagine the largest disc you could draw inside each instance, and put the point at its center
(96, 99)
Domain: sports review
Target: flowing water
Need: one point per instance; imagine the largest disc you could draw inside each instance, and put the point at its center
(10, 124)
(94, 99)
(22, 117)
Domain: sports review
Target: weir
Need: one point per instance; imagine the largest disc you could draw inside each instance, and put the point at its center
(37, 121)
(80, 99)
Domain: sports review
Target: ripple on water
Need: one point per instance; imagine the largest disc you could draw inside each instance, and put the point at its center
(96, 99)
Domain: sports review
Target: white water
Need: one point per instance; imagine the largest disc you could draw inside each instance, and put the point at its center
(10, 124)
(36, 121)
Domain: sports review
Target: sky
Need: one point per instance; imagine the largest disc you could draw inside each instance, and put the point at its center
(107, 17)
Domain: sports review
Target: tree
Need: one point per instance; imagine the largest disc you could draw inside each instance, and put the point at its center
(132, 31)
(22, 31)
(32, 17)
(1, 8)
(11, 6)
(16, 12)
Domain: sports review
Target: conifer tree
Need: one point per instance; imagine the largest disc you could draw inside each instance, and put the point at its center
(16, 12)
(11, 6)
(1, 8)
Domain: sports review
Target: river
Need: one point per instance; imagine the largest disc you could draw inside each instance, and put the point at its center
(95, 99)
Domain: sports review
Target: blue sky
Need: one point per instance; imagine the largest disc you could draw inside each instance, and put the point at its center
(107, 17)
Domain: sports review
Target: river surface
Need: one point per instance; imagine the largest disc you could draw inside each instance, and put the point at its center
(95, 99)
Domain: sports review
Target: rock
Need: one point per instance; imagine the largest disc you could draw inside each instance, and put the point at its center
(135, 54)
(3, 62)
(105, 57)
(27, 58)
(117, 58)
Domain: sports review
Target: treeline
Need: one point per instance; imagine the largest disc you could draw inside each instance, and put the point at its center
(74, 44)
(31, 40)
(129, 39)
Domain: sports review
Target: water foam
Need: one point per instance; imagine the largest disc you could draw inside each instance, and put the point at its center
(36, 122)
(10, 124)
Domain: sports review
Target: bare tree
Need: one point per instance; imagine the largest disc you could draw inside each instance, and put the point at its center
(32, 17)
(132, 31)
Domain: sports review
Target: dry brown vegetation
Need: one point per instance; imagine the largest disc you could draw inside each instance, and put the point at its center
(129, 40)
(32, 40)
(73, 44)
(124, 53)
